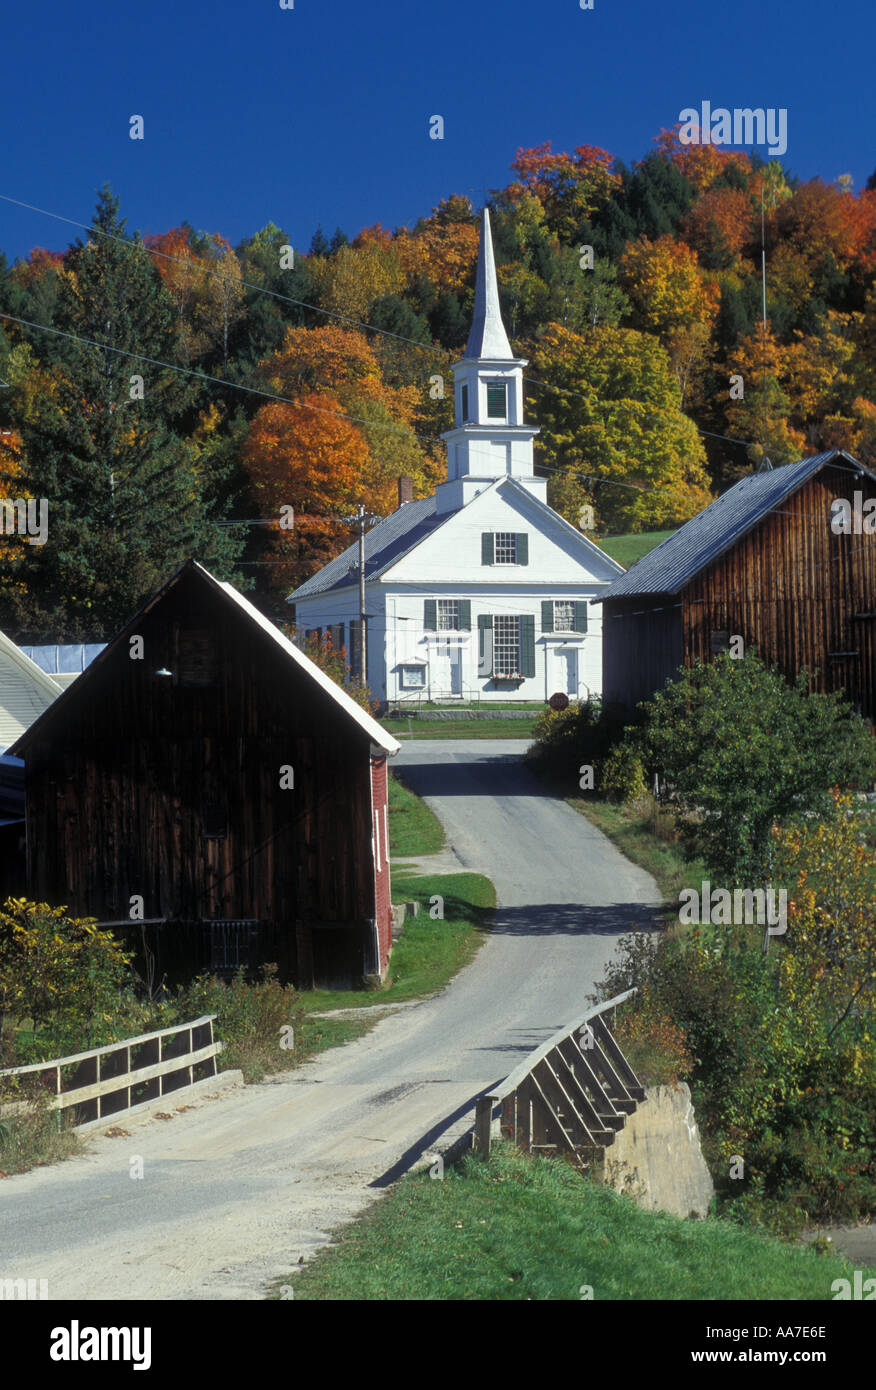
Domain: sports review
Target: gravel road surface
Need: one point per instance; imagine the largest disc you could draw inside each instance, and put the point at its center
(238, 1188)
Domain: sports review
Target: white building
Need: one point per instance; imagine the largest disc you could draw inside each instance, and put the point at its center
(25, 692)
(482, 590)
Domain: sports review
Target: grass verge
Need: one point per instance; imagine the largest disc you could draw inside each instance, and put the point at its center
(519, 1228)
(31, 1137)
(413, 828)
(430, 951)
(459, 728)
(645, 836)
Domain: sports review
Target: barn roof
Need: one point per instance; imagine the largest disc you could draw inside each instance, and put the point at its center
(228, 595)
(716, 529)
(385, 543)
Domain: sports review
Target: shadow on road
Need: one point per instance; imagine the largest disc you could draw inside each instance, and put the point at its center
(495, 776)
(574, 919)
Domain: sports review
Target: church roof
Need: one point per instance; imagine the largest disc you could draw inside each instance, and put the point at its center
(385, 543)
(487, 338)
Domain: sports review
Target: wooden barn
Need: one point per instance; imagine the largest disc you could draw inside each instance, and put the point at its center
(206, 774)
(775, 560)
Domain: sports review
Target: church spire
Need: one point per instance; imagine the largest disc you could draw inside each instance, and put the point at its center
(487, 338)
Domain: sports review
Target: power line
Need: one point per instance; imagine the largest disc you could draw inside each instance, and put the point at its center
(315, 308)
(407, 431)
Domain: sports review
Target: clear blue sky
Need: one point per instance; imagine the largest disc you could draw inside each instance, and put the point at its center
(320, 114)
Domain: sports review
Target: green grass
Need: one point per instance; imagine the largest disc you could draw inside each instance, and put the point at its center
(429, 951)
(628, 549)
(459, 728)
(413, 828)
(477, 704)
(519, 1228)
(33, 1135)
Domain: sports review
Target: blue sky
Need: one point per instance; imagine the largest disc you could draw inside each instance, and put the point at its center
(320, 114)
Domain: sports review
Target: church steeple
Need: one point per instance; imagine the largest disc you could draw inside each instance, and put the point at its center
(489, 439)
(487, 337)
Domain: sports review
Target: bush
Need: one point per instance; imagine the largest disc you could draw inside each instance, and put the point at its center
(741, 748)
(771, 1083)
(31, 1131)
(61, 973)
(251, 1019)
(623, 775)
(581, 734)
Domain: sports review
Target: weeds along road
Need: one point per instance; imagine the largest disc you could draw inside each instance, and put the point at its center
(236, 1189)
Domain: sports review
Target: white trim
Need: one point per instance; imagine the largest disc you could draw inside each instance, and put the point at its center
(371, 727)
(29, 667)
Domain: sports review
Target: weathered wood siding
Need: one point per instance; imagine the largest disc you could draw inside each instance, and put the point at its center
(642, 647)
(798, 592)
(120, 795)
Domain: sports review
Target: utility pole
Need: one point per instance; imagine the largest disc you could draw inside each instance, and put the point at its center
(363, 617)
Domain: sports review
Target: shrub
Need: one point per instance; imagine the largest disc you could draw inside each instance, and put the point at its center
(623, 776)
(31, 1131)
(582, 733)
(770, 1082)
(251, 1018)
(62, 973)
(741, 748)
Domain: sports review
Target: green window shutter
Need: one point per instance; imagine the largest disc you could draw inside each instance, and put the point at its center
(465, 615)
(547, 615)
(522, 548)
(527, 644)
(581, 617)
(430, 615)
(486, 547)
(485, 657)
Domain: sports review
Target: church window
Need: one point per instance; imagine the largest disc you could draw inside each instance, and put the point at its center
(463, 404)
(448, 614)
(505, 548)
(496, 401)
(506, 646)
(564, 616)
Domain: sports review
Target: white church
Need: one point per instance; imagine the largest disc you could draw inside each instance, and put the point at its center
(482, 591)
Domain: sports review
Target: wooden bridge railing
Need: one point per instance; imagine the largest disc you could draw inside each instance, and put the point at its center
(111, 1080)
(571, 1095)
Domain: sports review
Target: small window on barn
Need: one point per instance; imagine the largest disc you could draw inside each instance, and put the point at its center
(214, 820)
(198, 657)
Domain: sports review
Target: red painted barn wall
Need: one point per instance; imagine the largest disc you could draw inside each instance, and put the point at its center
(382, 892)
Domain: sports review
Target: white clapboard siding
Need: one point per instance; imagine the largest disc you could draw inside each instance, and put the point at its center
(25, 692)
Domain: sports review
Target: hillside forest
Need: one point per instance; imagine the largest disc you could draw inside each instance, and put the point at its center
(172, 395)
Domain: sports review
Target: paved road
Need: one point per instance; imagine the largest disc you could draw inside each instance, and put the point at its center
(236, 1189)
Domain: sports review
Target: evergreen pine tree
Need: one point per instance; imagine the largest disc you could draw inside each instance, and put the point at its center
(127, 503)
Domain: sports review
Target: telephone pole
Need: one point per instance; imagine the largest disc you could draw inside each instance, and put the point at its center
(363, 617)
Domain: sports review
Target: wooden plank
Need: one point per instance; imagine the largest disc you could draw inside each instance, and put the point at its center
(610, 1047)
(121, 1083)
(108, 1047)
(514, 1078)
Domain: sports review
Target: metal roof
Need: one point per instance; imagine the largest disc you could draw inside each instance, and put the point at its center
(385, 543)
(700, 541)
(378, 735)
(487, 340)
